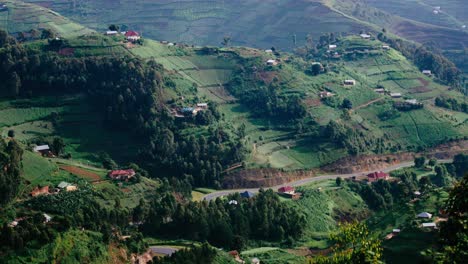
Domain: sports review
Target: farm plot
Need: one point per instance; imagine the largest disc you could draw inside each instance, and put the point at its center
(15, 116)
(80, 172)
(210, 77)
(30, 130)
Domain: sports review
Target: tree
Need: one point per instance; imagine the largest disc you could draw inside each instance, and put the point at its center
(11, 133)
(316, 69)
(432, 162)
(34, 33)
(226, 41)
(353, 244)
(339, 181)
(454, 232)
(347, 104)
(419, 162)
(58, 145)
(48, 34)
(113, 27)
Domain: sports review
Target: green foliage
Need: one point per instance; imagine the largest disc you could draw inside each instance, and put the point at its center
(353, 244)
(195, 255)
(10, 162)
(452, 104)
(419, 162)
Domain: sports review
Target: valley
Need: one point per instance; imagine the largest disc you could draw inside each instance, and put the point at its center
(118, 150)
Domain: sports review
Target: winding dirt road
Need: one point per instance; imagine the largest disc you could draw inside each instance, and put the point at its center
(305, 181)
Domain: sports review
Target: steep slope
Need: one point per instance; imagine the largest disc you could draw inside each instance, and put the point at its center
(22, 17)
(206, 22)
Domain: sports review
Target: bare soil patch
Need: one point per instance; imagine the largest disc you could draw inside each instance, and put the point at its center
(81, 172)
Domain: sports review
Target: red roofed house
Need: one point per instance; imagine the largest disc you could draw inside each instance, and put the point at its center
(378, 175)
(123, 175)
(132, 35)
(286, 189)
(40, 191)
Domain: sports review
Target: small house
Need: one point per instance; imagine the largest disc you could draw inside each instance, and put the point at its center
(396, 231)
(13, 224)
(43, 149)
(165, 42)
(47, 218)
(386, 47)
(350, 82)
(255, 261)
(111, 32)
(379, 90)
(417, 193)
(286, 190)
(427, 72)
(202, 105)
(269, 51)
(71, 188)
(424, 215)
(247, 194)
(170, 44)
(235, 254)
(332, 47)
(121, 175)
(378, 175)
(395, 95)
(40, 191)
(132, 35)
(272, 62)
(63, 185)
(188, 111)
(232, 202)
(429, 225)
(325, 94)
(412, 101)
(365, 36)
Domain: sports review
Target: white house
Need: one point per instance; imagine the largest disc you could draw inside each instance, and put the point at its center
(412, 101)
(430, 225)
(365, 36)
(202, 105)
(272, 62)
(350, 82)
(424, 215)
(233, 202)
(385, 47)
(379, 90)
(331, 47)
(417, 193)
(41, 148)
(269, 51)
(396, 231)
(395, 95)
(111, 32)
(427, 72)
(47, 218)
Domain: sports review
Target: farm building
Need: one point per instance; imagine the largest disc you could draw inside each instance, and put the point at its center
(378, 175)
(13, 223)
(170, 44)
(429, 225)
(247, 194)
(412, 101)
(63, 185)
(236, 256)
(325, 94)
(272, 62)
(386, 47)
(396, 231)
(287, 190)
(269, 51)
(71, 188)
(427, 72)
(40, 191)
(42, 149)
(379, 90)
(255, 261)
(132, 35)
(395, 95)
(232, 202)
(331, 47)
(123, 175)
(111, 32)
(350, 82)
(365, 36)
(424, 215)
(202, 105)
(47, 218)
(188, 110)
(417, 193)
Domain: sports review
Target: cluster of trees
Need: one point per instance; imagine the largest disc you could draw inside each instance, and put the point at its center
(128, 92)
(451, 103)
(266, 100)
(381, 195)
(194, 255)
(353, 243)
(353, 140)
(405, 106)
(222, 223)
(10, 164)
